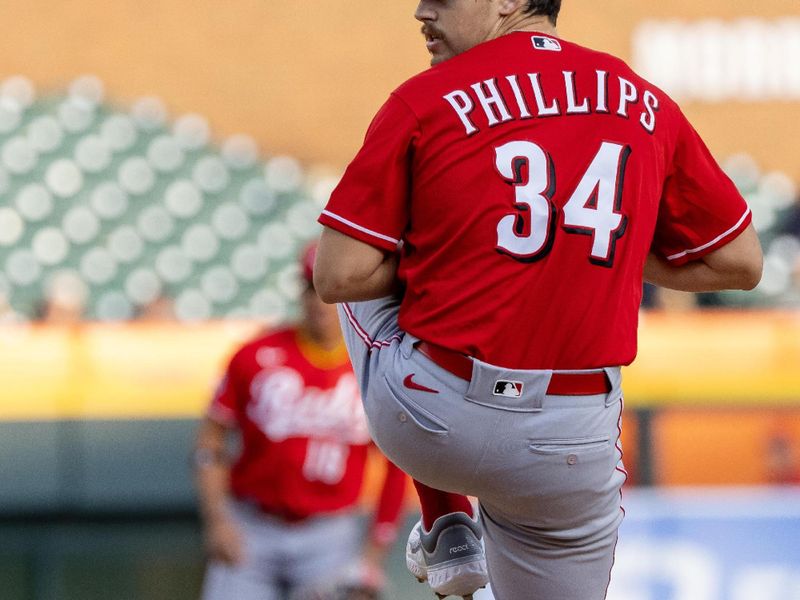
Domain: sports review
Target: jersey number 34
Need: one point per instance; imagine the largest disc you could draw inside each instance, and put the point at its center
(593, 209)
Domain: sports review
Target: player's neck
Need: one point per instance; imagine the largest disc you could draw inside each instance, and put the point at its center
(324, 352)
(521, 22)
(323, 340)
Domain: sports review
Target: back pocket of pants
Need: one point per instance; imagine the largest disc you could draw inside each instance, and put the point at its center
(555, 446)
(421, 417)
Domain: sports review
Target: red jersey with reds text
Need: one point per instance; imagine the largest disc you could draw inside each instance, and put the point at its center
(528, 178)
(304, 434)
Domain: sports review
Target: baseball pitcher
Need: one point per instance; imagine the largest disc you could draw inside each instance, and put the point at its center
(488, 246)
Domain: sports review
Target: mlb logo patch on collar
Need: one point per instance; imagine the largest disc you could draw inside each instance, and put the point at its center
(509, 389)
(541, 42)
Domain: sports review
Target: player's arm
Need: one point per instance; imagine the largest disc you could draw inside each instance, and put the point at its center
(349, 270)
(704, 239)
(389, 509)
(386, 522)
(212, 479)
(368, 212)
(736, 265)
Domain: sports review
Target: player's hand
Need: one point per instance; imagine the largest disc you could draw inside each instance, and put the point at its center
(224, 542)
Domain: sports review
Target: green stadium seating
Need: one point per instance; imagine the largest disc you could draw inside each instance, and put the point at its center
(135, 205)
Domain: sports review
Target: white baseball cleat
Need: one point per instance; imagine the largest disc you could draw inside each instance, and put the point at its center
(449, 557)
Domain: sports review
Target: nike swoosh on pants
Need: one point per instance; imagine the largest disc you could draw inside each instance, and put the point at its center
(413, 385)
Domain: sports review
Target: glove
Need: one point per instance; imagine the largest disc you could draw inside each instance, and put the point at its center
(362, 580)
(337, 592)
(364, 575)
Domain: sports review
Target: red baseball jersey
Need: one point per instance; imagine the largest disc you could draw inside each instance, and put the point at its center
(304, 435)
(528, 178)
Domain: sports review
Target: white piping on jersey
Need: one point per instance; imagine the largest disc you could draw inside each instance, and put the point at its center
(712, 242)
(360, 228)
(370, 343)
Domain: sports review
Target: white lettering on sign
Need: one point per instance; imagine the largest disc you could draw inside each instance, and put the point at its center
(688, 571)
(767, 582)
(659, 569)
(714, 60)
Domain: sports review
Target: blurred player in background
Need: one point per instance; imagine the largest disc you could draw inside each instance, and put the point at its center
(282, 521)
(533, 183)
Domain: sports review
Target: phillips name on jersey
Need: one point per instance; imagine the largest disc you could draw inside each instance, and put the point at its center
(523, 96)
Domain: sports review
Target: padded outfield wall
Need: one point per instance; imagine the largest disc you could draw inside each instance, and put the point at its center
(110, 420)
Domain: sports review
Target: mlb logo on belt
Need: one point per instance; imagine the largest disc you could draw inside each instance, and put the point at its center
(546, 43)
(510, 389)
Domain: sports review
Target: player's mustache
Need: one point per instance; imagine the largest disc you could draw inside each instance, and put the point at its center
(430, 31)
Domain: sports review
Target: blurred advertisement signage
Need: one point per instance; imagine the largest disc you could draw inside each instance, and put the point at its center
(747, 60)
(713, 544)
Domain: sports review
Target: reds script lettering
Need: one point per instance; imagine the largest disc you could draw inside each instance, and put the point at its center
(516, 97)
(282, 406)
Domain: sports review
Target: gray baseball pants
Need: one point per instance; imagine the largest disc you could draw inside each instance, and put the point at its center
(547, 470)
(285, 560)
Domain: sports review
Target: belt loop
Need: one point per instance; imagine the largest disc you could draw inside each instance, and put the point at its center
(407, 345)
(614, 375)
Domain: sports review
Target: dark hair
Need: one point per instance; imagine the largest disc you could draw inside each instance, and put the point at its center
(548, 8)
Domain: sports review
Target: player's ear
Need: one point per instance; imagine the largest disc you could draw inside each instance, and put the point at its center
(510, 7)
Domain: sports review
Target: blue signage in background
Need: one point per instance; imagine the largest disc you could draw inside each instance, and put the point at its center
(709, 544)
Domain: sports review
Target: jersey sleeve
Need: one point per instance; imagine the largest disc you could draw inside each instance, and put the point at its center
(701, 209)
(390, 504)
(223, 407)
(371, 202)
